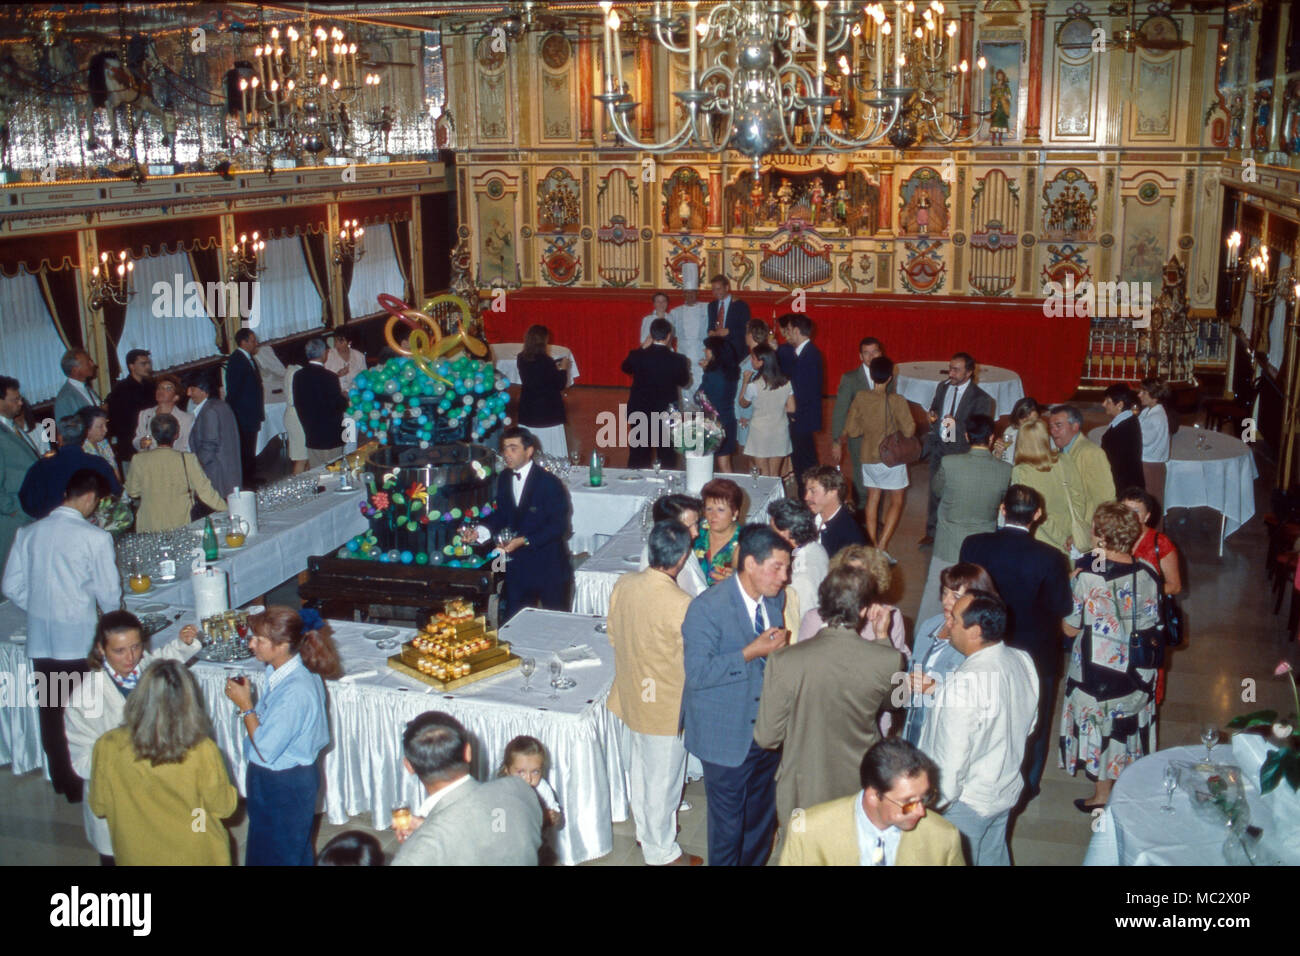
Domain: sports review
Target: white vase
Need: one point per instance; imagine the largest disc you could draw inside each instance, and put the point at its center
(699, 472)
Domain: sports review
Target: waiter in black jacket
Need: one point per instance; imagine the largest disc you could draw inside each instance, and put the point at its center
(320, 405)
(129, 397)
(658, 374)
(245, 398)
(1122, 441)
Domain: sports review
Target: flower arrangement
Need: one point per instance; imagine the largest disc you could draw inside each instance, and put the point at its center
(697, 433)
(1282, 763)
(114, 515)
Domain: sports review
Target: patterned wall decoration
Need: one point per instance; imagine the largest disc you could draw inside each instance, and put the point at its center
(741, 270)
(1001, 88)
(1147, 211)
(555, 55)
(995, 216)
(924, 268)
(802, 260)
(1154, 103)
(1070, 207)
(561, 264)
(495, 195)
(865, 275)
(559, 202)
(1076, 85)
(683, 249)
(832, 200)
(618, 245)
(685, 198)
(493, 93)
(924, 210)
(1066, 261)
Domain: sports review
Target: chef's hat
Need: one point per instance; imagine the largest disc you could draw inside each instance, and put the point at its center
(690, 275)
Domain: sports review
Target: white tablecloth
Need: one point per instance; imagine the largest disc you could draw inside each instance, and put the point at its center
(1222, 476)
(595, 580)
(20, 730)
(279, 550)
(272, 424)
(1133, 831)
(505, 355)
(363, 767)
(918, 381)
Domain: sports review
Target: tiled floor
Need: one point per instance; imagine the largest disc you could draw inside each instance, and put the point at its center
(1235, 637)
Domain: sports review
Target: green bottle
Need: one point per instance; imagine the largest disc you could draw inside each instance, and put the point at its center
(210, 551)
(595, 473)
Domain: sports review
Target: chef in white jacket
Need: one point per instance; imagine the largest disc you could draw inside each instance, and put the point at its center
(691, 324)
(117, 660)
(62, 571)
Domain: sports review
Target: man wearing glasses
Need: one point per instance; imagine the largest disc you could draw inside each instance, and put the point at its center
(886, 823)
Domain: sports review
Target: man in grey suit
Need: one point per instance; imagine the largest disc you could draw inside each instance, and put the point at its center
(463, 822)
(857, 379)
(214, 436)
(728, 633)
(76, 392)
(970, 488)
(17, 454)
(955, 400)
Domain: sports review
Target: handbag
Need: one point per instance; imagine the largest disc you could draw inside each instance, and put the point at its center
(1171, 615)
(897, 448)
(1147, 646)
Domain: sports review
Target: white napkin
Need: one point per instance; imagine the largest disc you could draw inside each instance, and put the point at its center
(580, 655)
(349, 678)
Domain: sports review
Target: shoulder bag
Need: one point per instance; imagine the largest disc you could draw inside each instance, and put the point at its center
(1147, 646)
(1171, 615)
(897, 448)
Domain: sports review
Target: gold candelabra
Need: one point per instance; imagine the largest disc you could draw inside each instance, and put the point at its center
(350, 245)
(112, 280)
(244, 258)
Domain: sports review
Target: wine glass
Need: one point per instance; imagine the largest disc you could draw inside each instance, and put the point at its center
(658, 466)
(557, 672)
(504, 537)
(754, 474)
(526, 667)
(575, 455)
(1209, 737)
(1171, 784)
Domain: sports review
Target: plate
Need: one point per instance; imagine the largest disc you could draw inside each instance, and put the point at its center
(19, 637)
(635, 477)
(381, 634)
(631, 559)
(152, 608)
(228, 547)
(346, 491)
(387, 644)
(590, 487)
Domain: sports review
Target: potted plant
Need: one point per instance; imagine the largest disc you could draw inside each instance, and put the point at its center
(1283, 759)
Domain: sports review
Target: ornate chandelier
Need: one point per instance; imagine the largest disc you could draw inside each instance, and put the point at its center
(244, 261)
(350, 245)
(112, 280)
(757, 84)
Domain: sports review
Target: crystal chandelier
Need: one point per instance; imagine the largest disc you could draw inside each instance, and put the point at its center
(307, 94)
(757, 83)
(350, 246)
(244, 258)
(112, 280)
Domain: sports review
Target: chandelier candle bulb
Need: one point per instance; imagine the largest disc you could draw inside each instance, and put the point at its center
(821, 47)
(607, 48)
(694, 51)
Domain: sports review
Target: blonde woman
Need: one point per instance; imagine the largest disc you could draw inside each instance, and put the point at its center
(884, 622)
(1040, 466)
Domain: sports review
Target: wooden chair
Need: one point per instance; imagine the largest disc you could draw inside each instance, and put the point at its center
(1230, 411)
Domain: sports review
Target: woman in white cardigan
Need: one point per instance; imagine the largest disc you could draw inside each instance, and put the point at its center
(117, 659)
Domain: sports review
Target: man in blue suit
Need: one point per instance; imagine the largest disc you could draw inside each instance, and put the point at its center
(246, 399)
(42, 488)
(728, 633)
(806, 371)
(728, 316)
(534, 504)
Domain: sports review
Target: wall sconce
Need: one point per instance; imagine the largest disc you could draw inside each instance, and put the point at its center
(112, 280)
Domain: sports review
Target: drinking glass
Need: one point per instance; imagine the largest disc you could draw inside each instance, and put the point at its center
(754, 475)
(658, 467)
(575, 455)
(526, 667)
(504, 537)
(1209, 737)
(1171, 784)
(557, 672)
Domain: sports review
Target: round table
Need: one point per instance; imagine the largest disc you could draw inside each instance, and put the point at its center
(918, 381)
(1133, 830)
(1220, 476)
(505, 355)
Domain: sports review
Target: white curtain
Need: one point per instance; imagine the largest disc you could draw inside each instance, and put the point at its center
(376, 272)
(31, 344)
(1277, 321)
(287, 301)
(173, 335)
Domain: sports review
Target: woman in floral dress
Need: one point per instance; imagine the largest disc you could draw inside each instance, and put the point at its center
(1109, 719)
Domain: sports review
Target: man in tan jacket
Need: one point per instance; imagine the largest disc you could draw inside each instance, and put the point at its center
(886, 823)
(822, 697)
(646, 611)
(1066, 424)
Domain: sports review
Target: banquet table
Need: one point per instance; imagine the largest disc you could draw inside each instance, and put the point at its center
(272, 424)
(1133, 830)
(1220, 476)
(371, 704)
(918, 381)
(595, 580)
(279, 550)
(505, 355)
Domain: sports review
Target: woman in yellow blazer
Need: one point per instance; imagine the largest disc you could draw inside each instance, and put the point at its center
(1054, 476)
(160, 775)
(166, 481)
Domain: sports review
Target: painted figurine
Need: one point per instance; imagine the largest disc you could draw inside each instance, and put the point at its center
(784, 197)
(818, 199)
(1000, 104)
(841, 203)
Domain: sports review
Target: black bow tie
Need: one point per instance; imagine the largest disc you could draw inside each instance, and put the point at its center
(519, 476)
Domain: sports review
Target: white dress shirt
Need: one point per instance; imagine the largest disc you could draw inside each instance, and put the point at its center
(1155, 433)
(822, 523)
(752, 605)
(433, 799)
(952, 400)
(59, 569)
(982, 715)
(798, 349)
(876, 847)
(520, 479)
